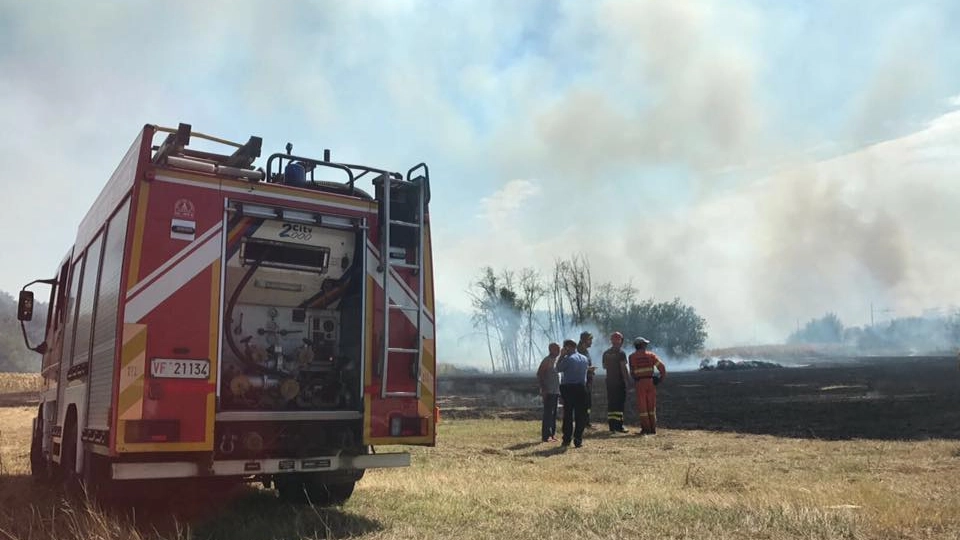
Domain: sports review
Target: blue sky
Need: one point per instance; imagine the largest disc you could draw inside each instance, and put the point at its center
(765, 161)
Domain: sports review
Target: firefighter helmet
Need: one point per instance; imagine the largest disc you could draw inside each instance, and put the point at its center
(640, 342)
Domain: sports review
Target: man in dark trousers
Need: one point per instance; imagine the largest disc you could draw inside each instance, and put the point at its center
(549, 381)
(615, 364)
(583, 347)
(572, 367)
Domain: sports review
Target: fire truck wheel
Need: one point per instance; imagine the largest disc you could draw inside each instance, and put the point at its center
(96, 482)
(315, 489)
(38, 465)
(329, 494)
(290, 488)
(68, 458)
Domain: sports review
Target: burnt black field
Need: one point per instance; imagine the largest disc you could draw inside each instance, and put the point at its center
(887, 398)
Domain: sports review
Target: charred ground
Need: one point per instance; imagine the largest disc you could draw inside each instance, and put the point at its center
(890, 398)
(895, 398)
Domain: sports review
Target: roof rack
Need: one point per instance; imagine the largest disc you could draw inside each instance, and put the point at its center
(173, 151)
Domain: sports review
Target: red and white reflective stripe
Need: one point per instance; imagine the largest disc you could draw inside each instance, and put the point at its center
(171, 261)
(399, 292)
(176, 274)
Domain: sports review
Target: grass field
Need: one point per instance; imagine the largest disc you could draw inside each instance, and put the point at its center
(19, 382)
(492, 479)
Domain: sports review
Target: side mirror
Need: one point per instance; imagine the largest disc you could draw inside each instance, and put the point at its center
(25, 306)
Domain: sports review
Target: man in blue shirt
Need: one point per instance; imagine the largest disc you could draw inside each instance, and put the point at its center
(583, 347)
(572, 367)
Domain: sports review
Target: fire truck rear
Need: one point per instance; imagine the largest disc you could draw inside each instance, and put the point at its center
(215, 319)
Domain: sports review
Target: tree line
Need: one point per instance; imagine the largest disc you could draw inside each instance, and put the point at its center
(902, 335)
(14, 355)
(519, 312)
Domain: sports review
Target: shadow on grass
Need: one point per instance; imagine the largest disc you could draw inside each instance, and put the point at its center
(522, 446)
(240, 512)
(552, 451)
(261, 515)
(235, 512)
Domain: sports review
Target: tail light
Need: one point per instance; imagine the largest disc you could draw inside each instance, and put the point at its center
(146, 431)
(405, 426)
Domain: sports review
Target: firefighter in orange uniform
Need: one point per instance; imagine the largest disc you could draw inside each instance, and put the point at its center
(642, 365)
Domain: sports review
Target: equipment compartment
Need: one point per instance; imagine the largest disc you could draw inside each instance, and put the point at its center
(292, 316)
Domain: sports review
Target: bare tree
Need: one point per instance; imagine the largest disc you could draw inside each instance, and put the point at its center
(558, 316)
(497, 313)
(953, 329)
(577, 286)
(482, 296)
(510, 315)
(532, 291)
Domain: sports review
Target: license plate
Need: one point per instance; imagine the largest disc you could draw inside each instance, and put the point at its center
(180, 369)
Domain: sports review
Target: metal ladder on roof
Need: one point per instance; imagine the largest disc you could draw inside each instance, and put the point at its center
(393, 186)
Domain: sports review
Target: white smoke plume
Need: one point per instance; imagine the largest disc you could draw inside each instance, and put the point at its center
(765, 162)
(756, 233)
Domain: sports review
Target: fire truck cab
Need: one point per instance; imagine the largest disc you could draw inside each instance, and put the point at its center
(215, 318)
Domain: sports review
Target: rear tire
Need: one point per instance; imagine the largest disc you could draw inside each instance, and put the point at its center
(38, 464)
(318, 489)
(289, 488)
(96, 478)
(68, 458)
(329, 494)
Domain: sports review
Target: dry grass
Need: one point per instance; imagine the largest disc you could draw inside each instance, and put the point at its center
(19, 382)
(491, 479)
(15, 425)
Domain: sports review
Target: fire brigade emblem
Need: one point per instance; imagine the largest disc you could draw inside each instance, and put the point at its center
(183, 208)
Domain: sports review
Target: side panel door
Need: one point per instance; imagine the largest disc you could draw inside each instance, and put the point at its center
(401, 409)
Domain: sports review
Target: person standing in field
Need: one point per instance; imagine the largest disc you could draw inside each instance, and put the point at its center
(618, 377)
(549, 380)
(573, 389)
(642, 365)
(583, 347)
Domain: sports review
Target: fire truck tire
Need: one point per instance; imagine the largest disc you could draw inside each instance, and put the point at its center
(326, 494)
(315, 489)
(68, 458)
(290, 488)
(96, 478)
(38, 465)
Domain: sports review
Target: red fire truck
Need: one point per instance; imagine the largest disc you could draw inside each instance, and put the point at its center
(220, 320)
